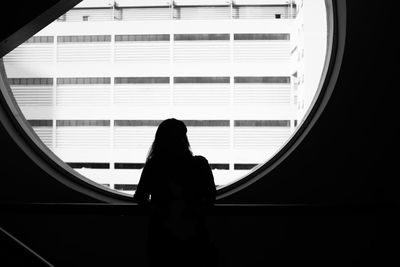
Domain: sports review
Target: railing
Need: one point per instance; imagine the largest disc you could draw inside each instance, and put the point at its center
(23, 249)
(219, 209)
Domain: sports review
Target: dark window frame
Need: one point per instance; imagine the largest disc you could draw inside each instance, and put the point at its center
(202, 37)
(244, 166)
(142, 38)
(219, 166)
(198, 79)
(261, 36)
(141, 80)
(125, 187)
(262, 79)
(206, 123)
(128, 165)
(83, 39)
(89, 165)
(40, 123)
(40, 40)
(82, 123)
(137, 123)
(31, 81)
(262, 123)
(83, 80)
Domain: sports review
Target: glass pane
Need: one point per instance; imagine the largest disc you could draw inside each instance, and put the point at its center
(96, 83)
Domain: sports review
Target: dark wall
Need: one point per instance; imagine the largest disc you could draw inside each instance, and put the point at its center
(344, 158)
(242, 239)
(343, 161)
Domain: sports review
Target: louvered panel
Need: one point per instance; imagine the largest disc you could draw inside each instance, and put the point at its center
(83, 94)
(93, 14)
(261, 93)
(83, 137)
(257, 12)
(141, 94)
(39, 95)
(146, 13)
(32, 52)
(259, 51)
(260, 137)
(201, 94)
(45, 134)
(129, 137)
(208, 13)
(142, 52)
(197, 51)
(208, 137)
(84, 52)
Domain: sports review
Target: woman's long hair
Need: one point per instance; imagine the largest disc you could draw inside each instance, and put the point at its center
(170, 141)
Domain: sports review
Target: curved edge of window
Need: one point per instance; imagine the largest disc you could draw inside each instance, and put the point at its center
(336, 29)
(23, 134)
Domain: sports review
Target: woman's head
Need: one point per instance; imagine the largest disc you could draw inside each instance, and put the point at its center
(170, 140)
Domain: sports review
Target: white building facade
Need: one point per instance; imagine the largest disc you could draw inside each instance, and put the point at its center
(96, 83)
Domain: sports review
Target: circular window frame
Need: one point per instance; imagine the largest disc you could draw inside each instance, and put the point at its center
(23, 134)
(336, 35)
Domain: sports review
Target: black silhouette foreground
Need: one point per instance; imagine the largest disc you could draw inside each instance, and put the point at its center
(178, 189)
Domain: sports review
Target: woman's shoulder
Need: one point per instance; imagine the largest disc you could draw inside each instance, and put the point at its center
(151, 163)
(200, 159)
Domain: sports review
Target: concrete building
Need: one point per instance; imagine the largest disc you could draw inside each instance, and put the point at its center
(95, 84)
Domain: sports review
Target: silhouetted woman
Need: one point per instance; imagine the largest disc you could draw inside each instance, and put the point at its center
(178, 188)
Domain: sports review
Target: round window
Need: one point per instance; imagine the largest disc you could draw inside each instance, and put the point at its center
(243, 76)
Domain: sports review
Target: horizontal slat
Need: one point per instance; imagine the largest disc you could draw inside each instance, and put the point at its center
(201, 94)
(32, 52)
(261, 93)
(199, 13)
(142, 51)
(84, 52)
(83, 137)
(94, 14)
(260, 137)
(261, 50)
(146, 13)
(260, 12)
(133, 137)
(142, 94)
(209, 137)
(88, 94)
(197, 51)
(40, 95)
(45, 134)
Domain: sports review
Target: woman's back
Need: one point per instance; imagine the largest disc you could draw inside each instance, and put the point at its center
(187, 181)
(178, 188)
(186, 178)
(181, 191)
